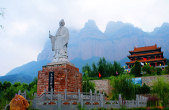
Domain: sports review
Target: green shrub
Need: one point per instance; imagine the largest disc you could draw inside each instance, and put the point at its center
(145, 89)
(80, 107)
(161, 88)
(123, 85)
(159, 70)
(87, 84)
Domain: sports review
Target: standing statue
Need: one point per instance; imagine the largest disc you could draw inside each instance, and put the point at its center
(60, 42)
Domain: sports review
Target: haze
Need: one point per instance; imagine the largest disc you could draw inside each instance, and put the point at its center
(27, 22)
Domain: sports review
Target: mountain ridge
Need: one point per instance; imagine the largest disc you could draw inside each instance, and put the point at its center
(89, 44)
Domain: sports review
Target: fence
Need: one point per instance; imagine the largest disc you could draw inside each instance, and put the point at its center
(69, 100)
(23, 94)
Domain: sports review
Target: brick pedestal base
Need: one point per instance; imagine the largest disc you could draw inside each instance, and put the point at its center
(66, 76)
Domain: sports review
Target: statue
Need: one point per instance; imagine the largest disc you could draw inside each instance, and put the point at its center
(59, 43)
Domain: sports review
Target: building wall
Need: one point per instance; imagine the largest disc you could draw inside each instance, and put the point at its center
(103, 85)
(149, 79)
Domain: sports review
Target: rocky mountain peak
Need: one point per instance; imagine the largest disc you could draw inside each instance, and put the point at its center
(90, 24)
(163, 29)
(90, 30)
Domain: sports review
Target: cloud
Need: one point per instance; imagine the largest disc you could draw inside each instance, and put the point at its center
(27, 22)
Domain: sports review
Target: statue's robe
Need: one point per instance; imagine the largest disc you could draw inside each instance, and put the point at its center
(60, 39)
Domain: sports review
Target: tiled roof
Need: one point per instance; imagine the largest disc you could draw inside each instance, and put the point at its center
(158, 59)
(137, 49)
(145, 54)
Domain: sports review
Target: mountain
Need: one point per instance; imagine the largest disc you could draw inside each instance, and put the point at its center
(91, 31)
(46, 53)
(162, 31)
(119, 30)
(160, 36)
(30, 68)
(24, 73)
(17, 78)
(88, 44)
(27, 72)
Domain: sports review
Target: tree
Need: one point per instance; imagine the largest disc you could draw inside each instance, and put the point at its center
(105, 68)
(87, 69)
(102, 67)
(136, 69)
(34, 82)
(10, 93)
(123, 85)
(161, 88)
(145, 89)
(94, 70)
(146, 68)
(166, 70)
(6, 85)
(24, 87)
(1, 86)
(117, 68)
(150, 70)
(16, 84)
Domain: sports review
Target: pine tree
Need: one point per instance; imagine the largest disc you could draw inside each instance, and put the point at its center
(136, 69)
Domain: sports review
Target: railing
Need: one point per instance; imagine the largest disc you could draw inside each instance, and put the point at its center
(69, 100)
(66, 100)
(23, 94)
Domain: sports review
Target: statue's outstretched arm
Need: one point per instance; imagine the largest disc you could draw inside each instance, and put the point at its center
(50, 36)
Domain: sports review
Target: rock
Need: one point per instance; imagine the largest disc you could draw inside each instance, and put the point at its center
(19, 103)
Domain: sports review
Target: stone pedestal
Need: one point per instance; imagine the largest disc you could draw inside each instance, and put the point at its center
(59, 76)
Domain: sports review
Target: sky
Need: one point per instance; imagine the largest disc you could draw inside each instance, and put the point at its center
(26, 23)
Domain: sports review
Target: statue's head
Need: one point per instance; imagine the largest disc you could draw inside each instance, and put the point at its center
(62, 22)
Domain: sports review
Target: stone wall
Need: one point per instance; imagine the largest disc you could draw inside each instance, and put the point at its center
(103, 85)
(149, 79)
(65, 77)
